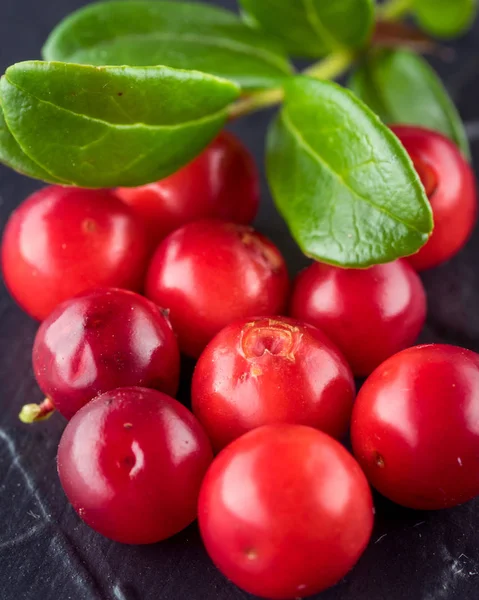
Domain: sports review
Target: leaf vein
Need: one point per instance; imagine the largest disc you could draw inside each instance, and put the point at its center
(137, 125)
(218, 42)
(58, 179)
(302, 142)
(318, 26)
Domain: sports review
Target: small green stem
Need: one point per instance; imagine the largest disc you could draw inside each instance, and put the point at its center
(394, 10)
(256, 102)
(331, 67)
(32, 413)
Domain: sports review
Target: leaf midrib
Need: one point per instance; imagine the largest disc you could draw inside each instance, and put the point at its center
(383, 102)
(137, 125)
(302, 141)
(252, 51)
(270, 4)
(318, 26)
(59, 180)
(450, 117)
(450, 113)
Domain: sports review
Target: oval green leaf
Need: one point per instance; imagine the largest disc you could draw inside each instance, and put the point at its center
(342, 181)
(111, 126)
(401, 87)
(176, 34)
(445, 18)
(313, 28)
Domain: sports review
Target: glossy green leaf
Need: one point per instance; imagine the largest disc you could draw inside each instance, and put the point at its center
(313, 28)
(111, 126)
(445, 18)
(176, 34)
(401, 87)
(341, 179)
(14, 157)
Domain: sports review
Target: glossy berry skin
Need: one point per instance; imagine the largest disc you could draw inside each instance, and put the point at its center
(271, 370)
(211, 273)
(221, 182)
(415, 427)
(63, 241)
(131, 463)
(101, 340)
(370, 314)
(285, 511)
(451, 188)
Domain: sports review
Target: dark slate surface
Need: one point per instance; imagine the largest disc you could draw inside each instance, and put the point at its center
(46, 553)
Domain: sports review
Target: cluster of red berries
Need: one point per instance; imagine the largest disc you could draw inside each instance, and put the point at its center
(284, 509)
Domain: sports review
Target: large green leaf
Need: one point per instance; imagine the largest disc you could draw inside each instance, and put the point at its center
(14, 157)
(445, 18)
(176, 34)
(313, 28)
(110, 126)
(341, 179)
(401, 87)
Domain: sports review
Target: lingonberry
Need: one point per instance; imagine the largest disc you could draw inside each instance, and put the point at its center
(285, 511)
(415, 427)
(62, 241)
(211, 273)
(101, 340)
(131, 463)
(370, 314)
(271, 370)
(450, 186)
(221, 182)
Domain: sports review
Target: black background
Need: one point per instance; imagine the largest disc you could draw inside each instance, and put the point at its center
(47, 553)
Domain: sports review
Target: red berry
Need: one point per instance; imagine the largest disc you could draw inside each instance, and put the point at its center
(211, 273)
(271, 370)
(221, 182)
(370, 314)
(450, 185)
(415, 427)
(101, 340)
(131, 462)
(63, 241)
(285, 511)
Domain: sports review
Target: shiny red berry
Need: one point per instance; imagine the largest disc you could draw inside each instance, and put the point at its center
(415, 427)
(221, 182)
(451, 188)
(101, 340)
(131, 463)
(285, 511)
(271, 370)
(369, 314)
(211, 273)
(63, 241)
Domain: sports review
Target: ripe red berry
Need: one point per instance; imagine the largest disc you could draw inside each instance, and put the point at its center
(211, 273)
(63, 241)
(415, 427)
(101, 340)
(271, 370)
(370, 314)
(450, 186)
(285, 511)
(131, 463)
(221, 182)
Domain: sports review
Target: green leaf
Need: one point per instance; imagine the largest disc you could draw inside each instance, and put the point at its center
(14, 157)
(401, 87)
(342, 180)
(175, 34)
(445, 18)
(111, 126)
(313, 28)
